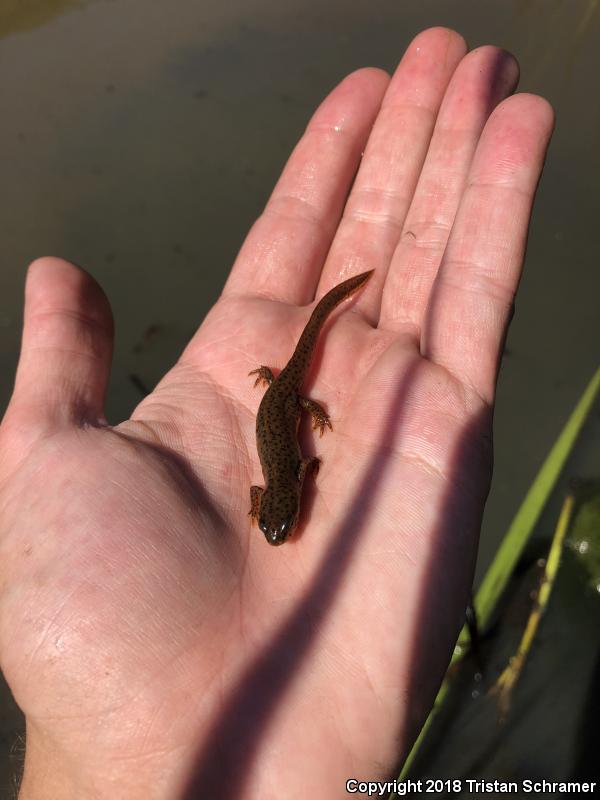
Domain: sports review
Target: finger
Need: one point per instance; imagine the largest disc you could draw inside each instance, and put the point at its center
(385, 183)
(284, 252)
(482, 79)
(472, 296)
(66, 349)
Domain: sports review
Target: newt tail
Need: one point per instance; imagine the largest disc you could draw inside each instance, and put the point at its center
(294, 373)
(277, 506)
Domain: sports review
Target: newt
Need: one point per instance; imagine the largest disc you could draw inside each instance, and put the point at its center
(277, 506)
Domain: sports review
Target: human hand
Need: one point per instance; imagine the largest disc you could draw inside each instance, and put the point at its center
(157, 645)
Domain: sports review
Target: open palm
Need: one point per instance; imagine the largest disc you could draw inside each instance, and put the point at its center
(154, 640)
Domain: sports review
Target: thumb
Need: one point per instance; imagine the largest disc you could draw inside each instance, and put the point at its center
(66, 351)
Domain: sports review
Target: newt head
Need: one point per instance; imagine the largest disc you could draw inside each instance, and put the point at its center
(279, 510)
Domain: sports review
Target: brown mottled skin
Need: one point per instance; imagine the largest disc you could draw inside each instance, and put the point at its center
(277, 506)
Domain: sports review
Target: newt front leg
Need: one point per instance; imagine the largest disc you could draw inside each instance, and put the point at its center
(255, 495)
(264, 375)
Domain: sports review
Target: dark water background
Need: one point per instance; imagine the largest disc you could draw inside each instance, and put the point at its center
(141, 139)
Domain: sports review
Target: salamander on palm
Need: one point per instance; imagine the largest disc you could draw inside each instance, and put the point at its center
(277, 506)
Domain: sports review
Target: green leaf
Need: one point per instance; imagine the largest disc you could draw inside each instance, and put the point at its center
(515, 539)
(522, 526)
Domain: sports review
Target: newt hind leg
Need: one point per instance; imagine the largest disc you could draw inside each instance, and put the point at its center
(255, 495)
(320, 418)
(264, 375)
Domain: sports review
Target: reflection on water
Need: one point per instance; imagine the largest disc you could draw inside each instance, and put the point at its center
(24, 15)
